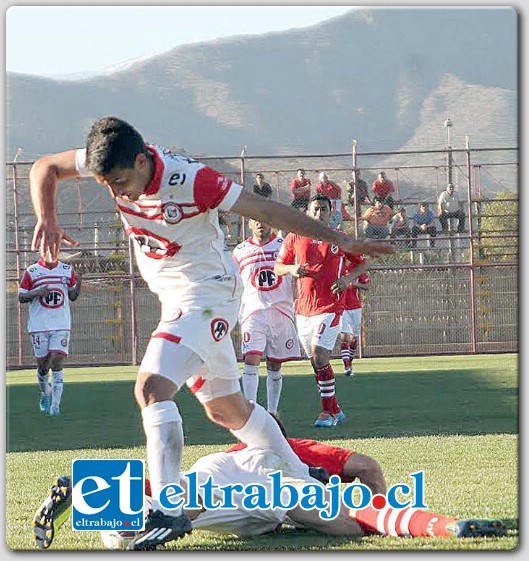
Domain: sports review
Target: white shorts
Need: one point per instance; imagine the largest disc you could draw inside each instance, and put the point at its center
(248, 466)
(271, 333)
(194, 341)
(318, 331)
(351, 321)
(46, 342)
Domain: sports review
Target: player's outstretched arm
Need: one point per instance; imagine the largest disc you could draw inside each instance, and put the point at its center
(45, 173)
(284, 217)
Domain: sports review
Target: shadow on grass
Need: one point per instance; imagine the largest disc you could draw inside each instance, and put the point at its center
(392, 404)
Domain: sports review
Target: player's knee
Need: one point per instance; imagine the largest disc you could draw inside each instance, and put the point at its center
(56, 362)
(229, 413)
(151, 388)
(368, 470)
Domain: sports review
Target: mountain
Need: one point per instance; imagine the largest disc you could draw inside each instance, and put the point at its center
(387, 77)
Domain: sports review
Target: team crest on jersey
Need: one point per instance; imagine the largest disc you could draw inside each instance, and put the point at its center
(219, 328)
(265, 279)
(334, 249)
(172, 213)
(289, 343)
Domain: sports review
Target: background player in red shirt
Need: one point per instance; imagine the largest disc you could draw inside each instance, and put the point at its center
(351, 321)
(320, 271)
(383, 188)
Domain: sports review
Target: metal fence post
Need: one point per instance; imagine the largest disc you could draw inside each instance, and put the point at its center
(133, 317)
(17, 259)
(473, 320)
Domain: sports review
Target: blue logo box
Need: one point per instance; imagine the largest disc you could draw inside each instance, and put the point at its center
(108, 495)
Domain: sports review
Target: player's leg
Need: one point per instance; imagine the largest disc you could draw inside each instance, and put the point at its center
(250, 423)
(274, 385)
(57, 382)
(345, 350)
(165, 367)
(325, 329)
(282, 345)
(356, 326)
(423, 523)
(59, 345)
(367, 470)
(39, 342)
(253, 341)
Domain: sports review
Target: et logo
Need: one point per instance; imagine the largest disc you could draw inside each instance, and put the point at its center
(108, 494)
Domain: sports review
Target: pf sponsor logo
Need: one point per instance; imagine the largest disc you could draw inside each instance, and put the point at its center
(108, 494)
(265, 279)
(219, 328)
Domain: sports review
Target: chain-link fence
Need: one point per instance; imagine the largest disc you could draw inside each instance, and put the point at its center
(460, 296)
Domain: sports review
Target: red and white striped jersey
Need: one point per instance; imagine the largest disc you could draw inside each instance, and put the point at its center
(51, 312)
(262, 287)
(174, 225)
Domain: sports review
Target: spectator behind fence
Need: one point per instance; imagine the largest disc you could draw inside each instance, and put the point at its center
(400, 226)
(300, 188)
(449, 206)
(359, 189)
(334, 192)
(377, 218)
(261, 187)
(383, 188)
(423, 223)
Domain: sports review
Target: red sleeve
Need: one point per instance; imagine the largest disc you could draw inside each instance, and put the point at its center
(237, 447)
(287, 255)
(293, 185)
(210, 188)
(73, 279)
(26, 283)
(354, 260)
(364, 278)
(317, 454)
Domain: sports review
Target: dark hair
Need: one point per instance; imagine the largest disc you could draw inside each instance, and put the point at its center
(112, 143)
(378, 199)
(320, 197)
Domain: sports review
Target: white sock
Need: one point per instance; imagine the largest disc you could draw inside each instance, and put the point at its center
(250, 381)
(262, 430)
(162, 424)
(274, 383)
(43, 382)
(57, 385)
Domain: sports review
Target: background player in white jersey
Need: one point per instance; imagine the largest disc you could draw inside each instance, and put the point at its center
(266, 316)
(49, 287)
(351, 321)
(169, 207)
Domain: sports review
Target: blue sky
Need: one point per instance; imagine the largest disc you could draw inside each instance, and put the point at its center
(59, 40)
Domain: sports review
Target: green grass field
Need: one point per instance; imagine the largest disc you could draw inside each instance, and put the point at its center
(455, 417)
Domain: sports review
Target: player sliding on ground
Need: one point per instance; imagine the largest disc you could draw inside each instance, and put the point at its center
(252, 465)
(169, 206)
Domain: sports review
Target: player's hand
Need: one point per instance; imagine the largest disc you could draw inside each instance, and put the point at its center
(375, 248)
(48, 238)
(299, 271)
(41, 292)
(339, 285)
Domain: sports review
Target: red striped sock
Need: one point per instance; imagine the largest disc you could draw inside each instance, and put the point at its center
(402, 522)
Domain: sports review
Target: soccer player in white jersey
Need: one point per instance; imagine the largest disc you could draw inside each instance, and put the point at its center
(49, 287)
(169, 207)
(266, 316)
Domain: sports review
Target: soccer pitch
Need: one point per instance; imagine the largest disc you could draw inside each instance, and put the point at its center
(454, 417)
